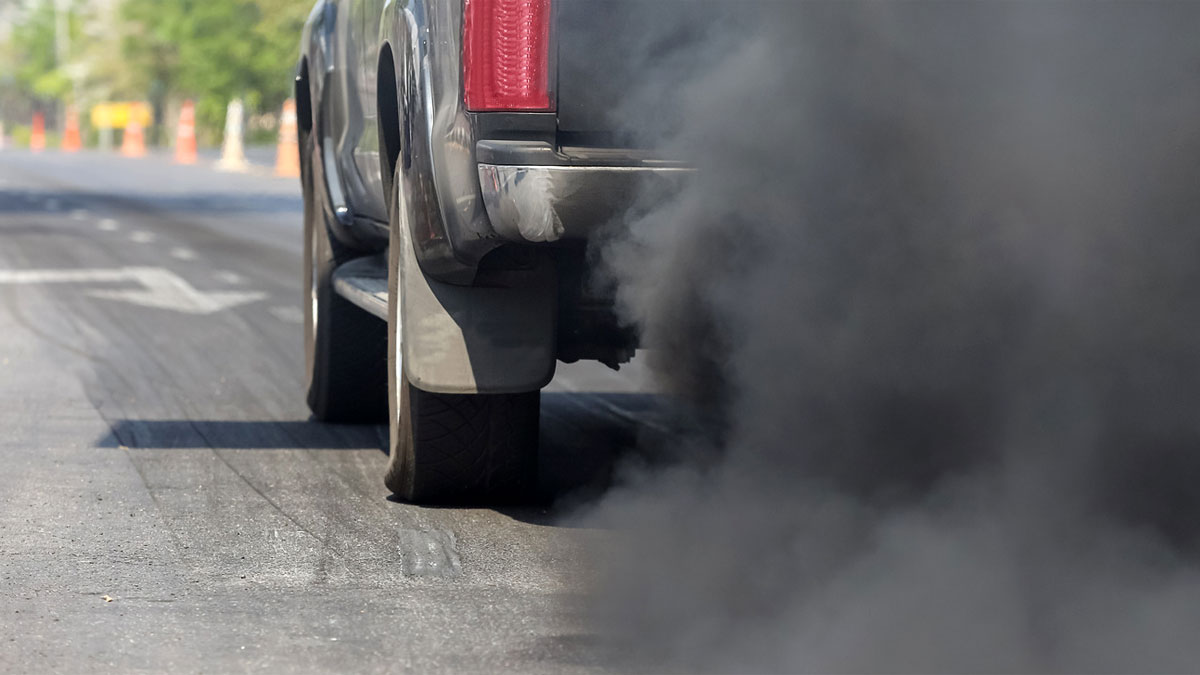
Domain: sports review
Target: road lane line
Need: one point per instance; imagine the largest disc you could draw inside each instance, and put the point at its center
(287, 314)
(162, 288)
(63, 276)
(229, 277)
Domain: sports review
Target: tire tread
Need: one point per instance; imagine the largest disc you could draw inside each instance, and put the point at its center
(470, 448)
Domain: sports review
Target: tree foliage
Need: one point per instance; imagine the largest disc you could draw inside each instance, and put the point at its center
(214, 50)
(163, 51)
(32, 52)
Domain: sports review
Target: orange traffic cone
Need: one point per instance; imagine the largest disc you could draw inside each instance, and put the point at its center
(134, 143)
(37, 138)
(287, 160)
(185, 139)
(71, 142)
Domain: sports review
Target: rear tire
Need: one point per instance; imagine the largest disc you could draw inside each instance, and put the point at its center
(345, 348)
(463, 448)
(452, 448)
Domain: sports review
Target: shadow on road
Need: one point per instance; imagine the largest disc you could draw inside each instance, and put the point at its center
(583, 438)
(184, 434)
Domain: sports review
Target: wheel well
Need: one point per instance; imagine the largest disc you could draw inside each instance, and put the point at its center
(388, 102)
(303, 95)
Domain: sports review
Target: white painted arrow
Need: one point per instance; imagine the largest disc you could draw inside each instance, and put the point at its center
(163, 288)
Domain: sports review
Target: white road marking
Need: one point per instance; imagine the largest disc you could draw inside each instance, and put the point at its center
(79, 214)
(108, 225)
(164, 289)
(287, 314)
(228, 277)
(181, 253)
(142, 237)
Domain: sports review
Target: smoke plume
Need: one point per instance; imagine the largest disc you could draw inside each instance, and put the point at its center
(936, 287)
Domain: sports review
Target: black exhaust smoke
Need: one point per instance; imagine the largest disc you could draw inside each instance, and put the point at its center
(938, 278)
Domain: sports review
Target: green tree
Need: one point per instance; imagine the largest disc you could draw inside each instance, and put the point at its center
(214, 50)
(163, 51)
(33, 51)
(279, 38)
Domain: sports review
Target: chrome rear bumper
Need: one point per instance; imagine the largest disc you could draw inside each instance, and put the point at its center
(556, 196)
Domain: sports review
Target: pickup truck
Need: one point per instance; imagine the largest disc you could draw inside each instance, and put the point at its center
(456, 156)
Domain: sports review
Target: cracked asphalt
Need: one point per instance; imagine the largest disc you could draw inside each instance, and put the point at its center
(167, 506)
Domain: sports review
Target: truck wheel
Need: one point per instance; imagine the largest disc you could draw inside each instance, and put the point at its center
(344, 347)
(452, 448)
(463, 448)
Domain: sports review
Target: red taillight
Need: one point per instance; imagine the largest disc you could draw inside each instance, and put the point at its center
(506, 55)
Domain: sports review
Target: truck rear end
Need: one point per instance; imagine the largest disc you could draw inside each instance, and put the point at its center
(572, 102)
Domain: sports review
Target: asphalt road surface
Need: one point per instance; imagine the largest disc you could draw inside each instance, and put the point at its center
(166, 504)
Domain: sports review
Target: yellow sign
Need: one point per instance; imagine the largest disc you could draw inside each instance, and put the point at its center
(118, 115)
